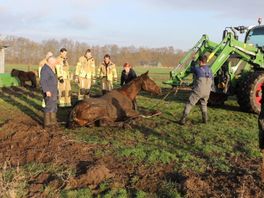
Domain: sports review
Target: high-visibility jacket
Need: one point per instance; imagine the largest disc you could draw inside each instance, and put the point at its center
(107, 71)
(62, 68)
(85, 68)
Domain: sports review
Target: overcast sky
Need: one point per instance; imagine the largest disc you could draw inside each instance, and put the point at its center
(147, 23)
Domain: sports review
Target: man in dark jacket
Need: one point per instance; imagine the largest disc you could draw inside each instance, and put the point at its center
(49, 86)
(128, 74)
(261, 133)
(201, 90)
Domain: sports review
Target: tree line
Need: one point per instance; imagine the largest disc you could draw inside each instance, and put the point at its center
(25, 51)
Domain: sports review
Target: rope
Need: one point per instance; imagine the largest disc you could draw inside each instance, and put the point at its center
(159, 103)
(165, 97)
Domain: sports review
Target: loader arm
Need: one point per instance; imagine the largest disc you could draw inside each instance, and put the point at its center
(246, 52)
(182, 70)
(219, 52)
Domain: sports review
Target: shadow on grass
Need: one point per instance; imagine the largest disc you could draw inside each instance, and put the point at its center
(12, 97)
(29, 92)
(227, 107)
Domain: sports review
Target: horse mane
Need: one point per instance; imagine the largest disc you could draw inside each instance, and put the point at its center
(126, 86)
(132, 88)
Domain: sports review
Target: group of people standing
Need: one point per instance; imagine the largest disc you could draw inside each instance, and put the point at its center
(55, 80)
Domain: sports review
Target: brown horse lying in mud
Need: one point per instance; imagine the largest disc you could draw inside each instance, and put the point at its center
(112, 107)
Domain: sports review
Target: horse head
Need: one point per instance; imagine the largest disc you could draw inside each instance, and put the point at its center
(149, 85)
(14, 73)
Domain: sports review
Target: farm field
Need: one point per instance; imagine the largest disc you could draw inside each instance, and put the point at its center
(154, 157)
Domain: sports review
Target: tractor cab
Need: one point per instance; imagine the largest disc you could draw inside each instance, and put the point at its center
(255, 36)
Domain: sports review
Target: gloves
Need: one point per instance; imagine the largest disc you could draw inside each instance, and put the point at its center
(76, 79)
(61, 80)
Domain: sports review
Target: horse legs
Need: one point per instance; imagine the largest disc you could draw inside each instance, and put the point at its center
(132, 114)
(22, 83)
(105, 122)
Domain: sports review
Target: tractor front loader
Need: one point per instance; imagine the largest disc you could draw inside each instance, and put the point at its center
(238, 67)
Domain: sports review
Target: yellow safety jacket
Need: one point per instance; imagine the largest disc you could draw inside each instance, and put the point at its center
(62, 68)
(109, 72)
(85, 68)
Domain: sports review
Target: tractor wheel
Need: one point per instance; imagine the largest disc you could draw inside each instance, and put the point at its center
(249, 92)
(217, 99)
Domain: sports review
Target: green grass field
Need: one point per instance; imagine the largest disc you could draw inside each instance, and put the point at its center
(230, 138)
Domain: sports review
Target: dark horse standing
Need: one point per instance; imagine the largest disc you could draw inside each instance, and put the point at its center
(114, 106)
(25, 76)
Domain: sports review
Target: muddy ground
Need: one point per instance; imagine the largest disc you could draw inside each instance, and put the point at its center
(23, 141)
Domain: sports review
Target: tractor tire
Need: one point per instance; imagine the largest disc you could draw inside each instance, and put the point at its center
(217, 99)
(249, 92)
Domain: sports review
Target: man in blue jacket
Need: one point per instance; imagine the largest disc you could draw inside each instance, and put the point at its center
(49, 86)
(201, 90)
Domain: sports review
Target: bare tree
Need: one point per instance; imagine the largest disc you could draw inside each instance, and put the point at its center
(28, 52)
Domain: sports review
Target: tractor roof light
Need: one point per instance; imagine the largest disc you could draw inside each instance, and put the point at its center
(259, 20)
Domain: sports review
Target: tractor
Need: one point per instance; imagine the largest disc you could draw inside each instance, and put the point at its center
(237, 66)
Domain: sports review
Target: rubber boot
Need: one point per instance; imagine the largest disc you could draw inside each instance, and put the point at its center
(53, 118)
(183, 119)
(87, 94)
(205, 117)
(47, 120)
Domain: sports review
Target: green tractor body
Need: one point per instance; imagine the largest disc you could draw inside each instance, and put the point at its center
(238, 67)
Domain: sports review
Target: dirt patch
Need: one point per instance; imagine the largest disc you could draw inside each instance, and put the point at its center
(22, 140)
(94, 176)
(242, 181)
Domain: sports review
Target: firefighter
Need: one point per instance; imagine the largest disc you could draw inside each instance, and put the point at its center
(64, 78)
(49, 86)
(107, 74)
(85, 74)
(41, 64)
(201, 90)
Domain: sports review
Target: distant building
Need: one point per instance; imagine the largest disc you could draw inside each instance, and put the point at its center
(151, 64)
(2, 58)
